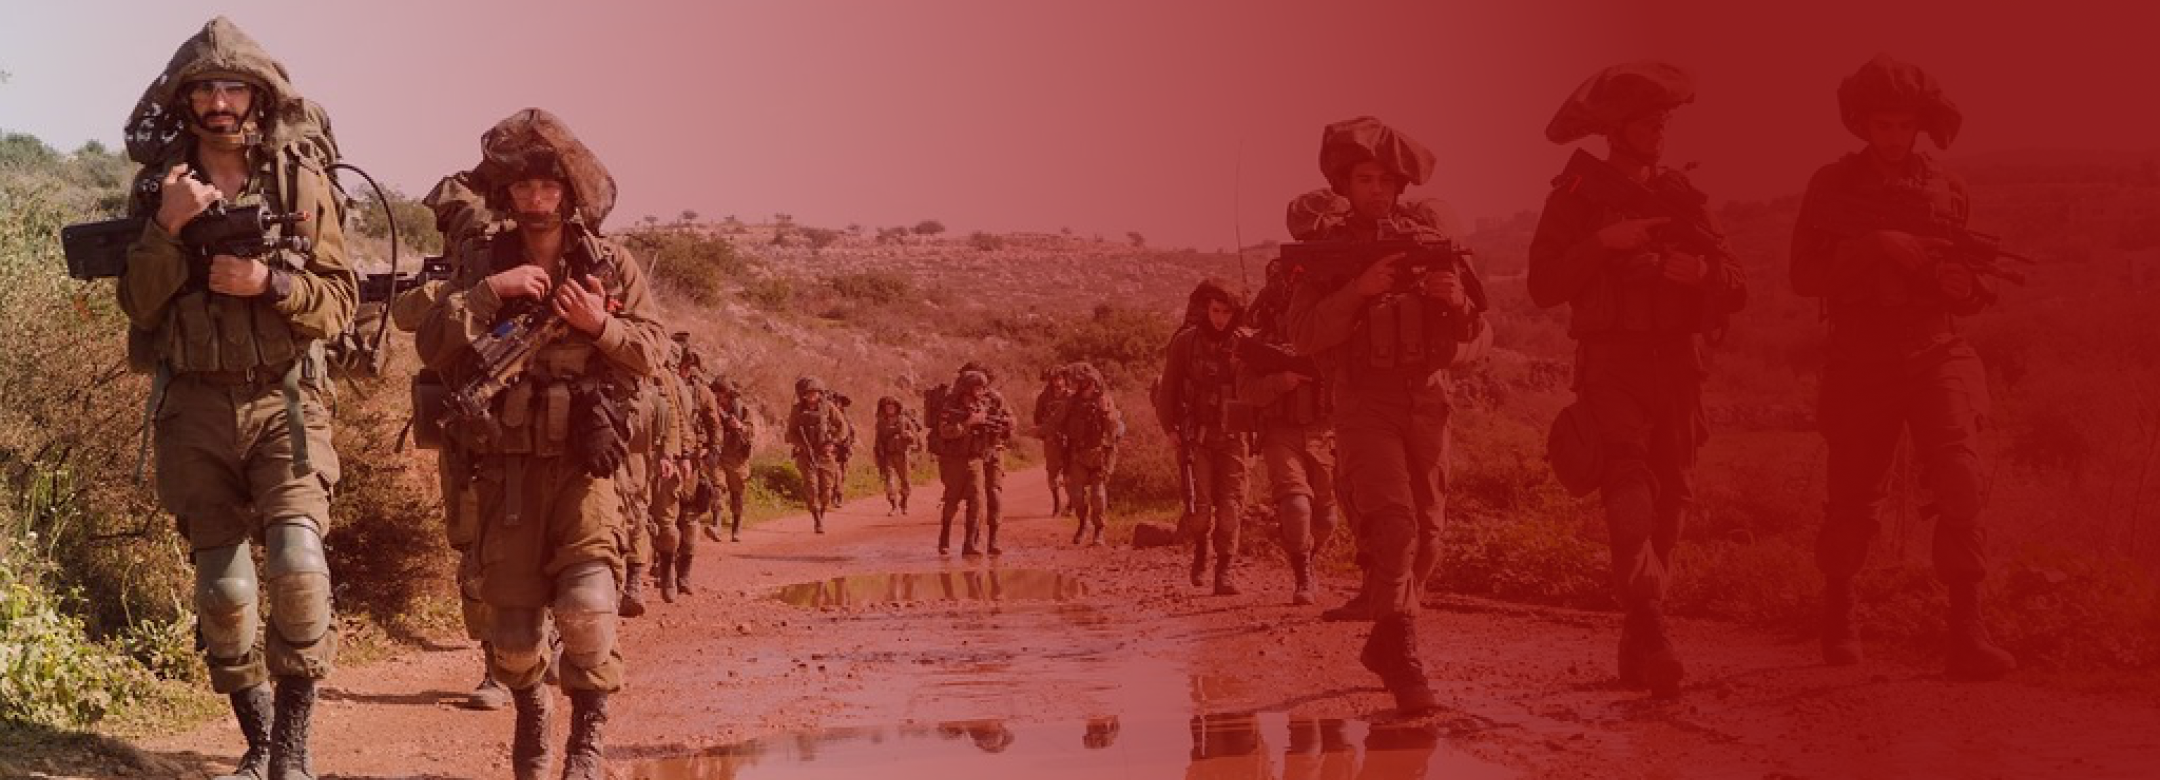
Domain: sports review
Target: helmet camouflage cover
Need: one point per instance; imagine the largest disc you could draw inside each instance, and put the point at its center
(160, 120)
(1345, 144)
(534, 143)
(1885, 84)
(1617, 94)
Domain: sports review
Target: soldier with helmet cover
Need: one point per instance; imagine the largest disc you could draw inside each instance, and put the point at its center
(1089, 424)
(738, 429)
(815, 429)
(1640, 309)
(675, 471)
(973, 425)
(897, 438)
(1049, 405)
(236, 341)
(1897, 364)
(1192, 403)
(550, 438)
(1390, 410)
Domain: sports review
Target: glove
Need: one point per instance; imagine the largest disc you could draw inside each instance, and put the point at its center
(599, 433)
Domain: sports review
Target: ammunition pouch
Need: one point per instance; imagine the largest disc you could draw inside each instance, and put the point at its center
(430, 403)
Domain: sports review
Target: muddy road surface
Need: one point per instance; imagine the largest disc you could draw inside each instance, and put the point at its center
(863, 653)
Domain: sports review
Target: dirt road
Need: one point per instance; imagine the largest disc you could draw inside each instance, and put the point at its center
(1056, 661)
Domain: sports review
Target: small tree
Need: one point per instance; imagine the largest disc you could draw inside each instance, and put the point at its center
(988, 242)
(929, 227)
(689, 216)
(1136, 239)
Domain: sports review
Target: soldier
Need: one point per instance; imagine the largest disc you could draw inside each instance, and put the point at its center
(1193, 406)
(999, 435)
(815, 430)
(460, 214)
(236, 344)
(898, 436)
(1049, 406)
(1390, 411)
(545, 328)
(635, 486)
(844, 451)
(1089, 424)
(732, 457)
(1639, 305)
(1296, 443)
(685, 431)
(1871, 244)
(970, 425)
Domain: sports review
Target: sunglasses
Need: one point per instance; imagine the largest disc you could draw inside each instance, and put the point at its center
(220, 88)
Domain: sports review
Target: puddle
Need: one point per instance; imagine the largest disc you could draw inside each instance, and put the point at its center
(1218, 747)
(960, 585)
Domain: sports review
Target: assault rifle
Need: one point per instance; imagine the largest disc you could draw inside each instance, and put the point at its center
(1333, 263)
(1687, 229)
(98, 250)
(1851, 218)
(386, 286)
(1269, 358)
(1188, 480)
(502, 356)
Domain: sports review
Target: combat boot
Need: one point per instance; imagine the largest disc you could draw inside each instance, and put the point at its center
(664, 569)
(489, 695)
(1357, 610)
(1970, 654)
(1840, 647)
(1057, 505)
(633, 591)
(252, 707)
(993, 546)
(1223, 585)
(581, 753)
(1631, 669)
(1661, 667)
(1097, 540)
(1301, 572)
(712, 531)
(944, 533)
(289, 731)
(1391, 652)
(682, 575)
(1199, 563)
(529, 757)
(1080, 532)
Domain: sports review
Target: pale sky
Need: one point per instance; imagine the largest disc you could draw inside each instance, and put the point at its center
(1191, 122)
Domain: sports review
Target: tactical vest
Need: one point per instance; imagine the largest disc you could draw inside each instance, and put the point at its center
(734, 444)
(1905, 205)
(1399, 338)
(1209, 382)
(895, 434)
(532, 415)
(817, 427)
(1090, 425)
(205, 332)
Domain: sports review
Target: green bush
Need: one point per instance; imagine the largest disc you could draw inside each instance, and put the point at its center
(698, 264)
(883, 288)
(51, 672)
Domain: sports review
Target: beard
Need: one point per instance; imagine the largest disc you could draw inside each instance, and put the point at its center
(538, 220)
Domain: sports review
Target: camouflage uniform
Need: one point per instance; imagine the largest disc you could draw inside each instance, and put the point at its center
(1390, 412)
(897, 438)
(815, 431)
(1192, 403)
(548, 506)
(634, 489)
(1639, 366)
(1089, 424)
(1049, 406)
(1897, 364)
(843, 451)
(236, 410)
(972, 426)
(731, 457)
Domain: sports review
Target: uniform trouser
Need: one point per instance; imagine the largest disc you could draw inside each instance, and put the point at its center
(1645, 398)
(461, 525)
(674, 527)
(1057, 471)
(1301, 463)
(634, 532)
(224, 469)
(1394, 453)
(543, 521)
(1937, 393)
(734, 479)
(962, 476)
(838, 482)
(892, 471)
(1087, 478)
(821, 477)
(993, 487)
(1219, 493)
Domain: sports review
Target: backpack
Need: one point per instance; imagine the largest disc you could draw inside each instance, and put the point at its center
(933, 407)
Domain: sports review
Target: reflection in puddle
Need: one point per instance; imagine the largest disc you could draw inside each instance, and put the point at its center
(1210, 747)
(963, 585)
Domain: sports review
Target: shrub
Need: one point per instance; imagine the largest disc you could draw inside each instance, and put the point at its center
(928, 227)
(987, 242)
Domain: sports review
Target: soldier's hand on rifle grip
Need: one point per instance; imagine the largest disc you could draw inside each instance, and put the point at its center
(1628, 234)
(181, 198)
(1956, 281)
(525, 281)
(1911, 253)
(1378, 277)
(1684, 269)
(1447, 288)
(583, 303)
(238, 277)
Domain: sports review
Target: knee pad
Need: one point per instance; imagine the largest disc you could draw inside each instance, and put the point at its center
(518, 633)
(1293, 508)
(225, 608)
(299, 576)
(585, 603)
